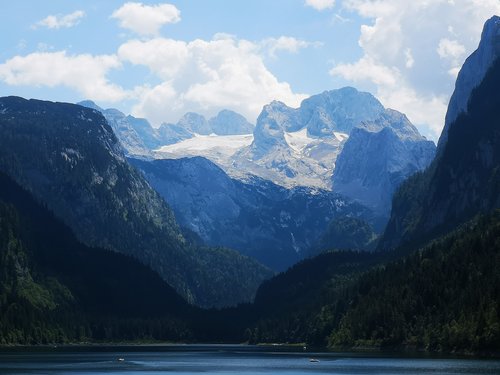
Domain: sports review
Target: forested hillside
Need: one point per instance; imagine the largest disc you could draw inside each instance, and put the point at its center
(54, 289)
(445, 296)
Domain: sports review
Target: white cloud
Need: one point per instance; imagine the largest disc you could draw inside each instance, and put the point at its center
(286, 43)
(320, 4)
(450, 49)
(412, 52)
(84, 73)
(204, 76)
(409, 58)
(146, 19)
(165, 57)
(367, 69)
(61, 21)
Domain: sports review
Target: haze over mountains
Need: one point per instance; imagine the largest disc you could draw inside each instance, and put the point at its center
(341, 153)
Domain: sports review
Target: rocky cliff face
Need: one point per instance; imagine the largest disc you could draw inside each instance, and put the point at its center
(378, 156)
(299, 147)
(338, 110)
(258, 218)
(136, 136)
(472, 73)
(463, 180)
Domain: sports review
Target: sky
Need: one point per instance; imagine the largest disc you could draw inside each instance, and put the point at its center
(159, 60)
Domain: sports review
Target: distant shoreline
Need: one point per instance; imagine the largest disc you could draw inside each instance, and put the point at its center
(243, 347)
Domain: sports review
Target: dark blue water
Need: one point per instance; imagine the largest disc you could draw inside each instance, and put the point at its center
(228, 361)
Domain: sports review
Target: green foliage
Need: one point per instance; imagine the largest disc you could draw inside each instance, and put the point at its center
(347, 233)
(444, 297)
(303, 303)
(68, 157)
(54, 289)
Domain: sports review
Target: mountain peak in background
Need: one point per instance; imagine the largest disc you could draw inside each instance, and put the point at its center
(378, 156)
(230, 123)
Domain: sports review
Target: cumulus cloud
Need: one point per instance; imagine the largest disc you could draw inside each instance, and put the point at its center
(84, 73)
(450, 49)
(204, 76)
(61, 21)
(402, 40)
(320, 4)
(286, 43)
(146, 19)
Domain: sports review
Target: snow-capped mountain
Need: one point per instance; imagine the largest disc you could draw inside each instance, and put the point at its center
(273, 224)
(300, 147)
(289, 146)
(297, 147)
(192, 135)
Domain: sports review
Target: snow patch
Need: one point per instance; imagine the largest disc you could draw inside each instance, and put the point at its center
(298, 140)
(222, 144)
(341, 136)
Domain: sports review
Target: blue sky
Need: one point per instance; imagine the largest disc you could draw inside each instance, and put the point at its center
(161, 59)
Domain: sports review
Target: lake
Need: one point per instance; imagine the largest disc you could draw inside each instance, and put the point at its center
(227, 360)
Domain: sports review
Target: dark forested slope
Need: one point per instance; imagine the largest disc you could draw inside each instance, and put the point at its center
(68, 157)
(54, 289)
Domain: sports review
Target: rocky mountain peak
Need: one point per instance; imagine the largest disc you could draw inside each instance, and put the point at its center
(397, 122)
(472, 73)
(90, 104)
(378, 156)
(338, 110)
(269, 131)
(195, 123)
(229, 122)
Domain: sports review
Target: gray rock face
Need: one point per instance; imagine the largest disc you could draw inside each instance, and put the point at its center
(472, 73)
(170, 133)
(195, 123)
(268, 222)
(136, 135)
(230, 123)
(338, 110)
(269, 132)
(302, 147)
(378, 157)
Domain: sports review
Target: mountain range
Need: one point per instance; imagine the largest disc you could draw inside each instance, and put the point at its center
(275, 225)
(68, 157)
(91, 250)
(340, 154)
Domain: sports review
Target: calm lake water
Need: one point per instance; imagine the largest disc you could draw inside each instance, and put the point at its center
(227, 360)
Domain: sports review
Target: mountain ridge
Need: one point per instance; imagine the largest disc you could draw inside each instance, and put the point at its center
(462, 180)
(70, 159)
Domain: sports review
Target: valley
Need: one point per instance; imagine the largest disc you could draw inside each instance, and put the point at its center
(330, 224)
